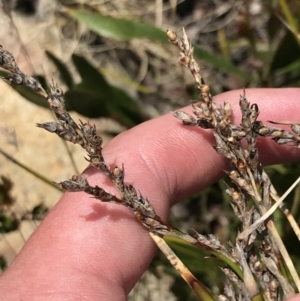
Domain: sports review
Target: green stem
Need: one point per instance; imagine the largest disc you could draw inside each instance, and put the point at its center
(31, 171)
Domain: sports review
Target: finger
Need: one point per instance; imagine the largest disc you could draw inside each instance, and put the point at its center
(294, 298)
(182, 159)
(85, 248)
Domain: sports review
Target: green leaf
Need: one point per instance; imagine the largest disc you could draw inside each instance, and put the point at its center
(8, 224)
(273, 25)
(65, 75)
(287, 52)
(95, 105)
(31, 96)
(289, 75)
(190, 254)
(193, 258)
(3, 263)
(125, 81)
(95, 97)
(126, 107)
(218, 61)
(119, 29)
(91, 77)
(86, 102)
(28, 93)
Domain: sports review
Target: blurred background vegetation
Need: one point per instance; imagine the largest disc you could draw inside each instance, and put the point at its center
(114, 62)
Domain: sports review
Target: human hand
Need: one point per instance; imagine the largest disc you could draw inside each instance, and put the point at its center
(89, 250)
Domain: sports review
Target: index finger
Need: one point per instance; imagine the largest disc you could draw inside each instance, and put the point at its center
(86, 249)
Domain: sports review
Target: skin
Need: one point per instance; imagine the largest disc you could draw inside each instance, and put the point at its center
(88, 250)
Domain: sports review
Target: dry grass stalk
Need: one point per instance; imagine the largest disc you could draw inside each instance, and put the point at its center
(245, 267)
(247, 174)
